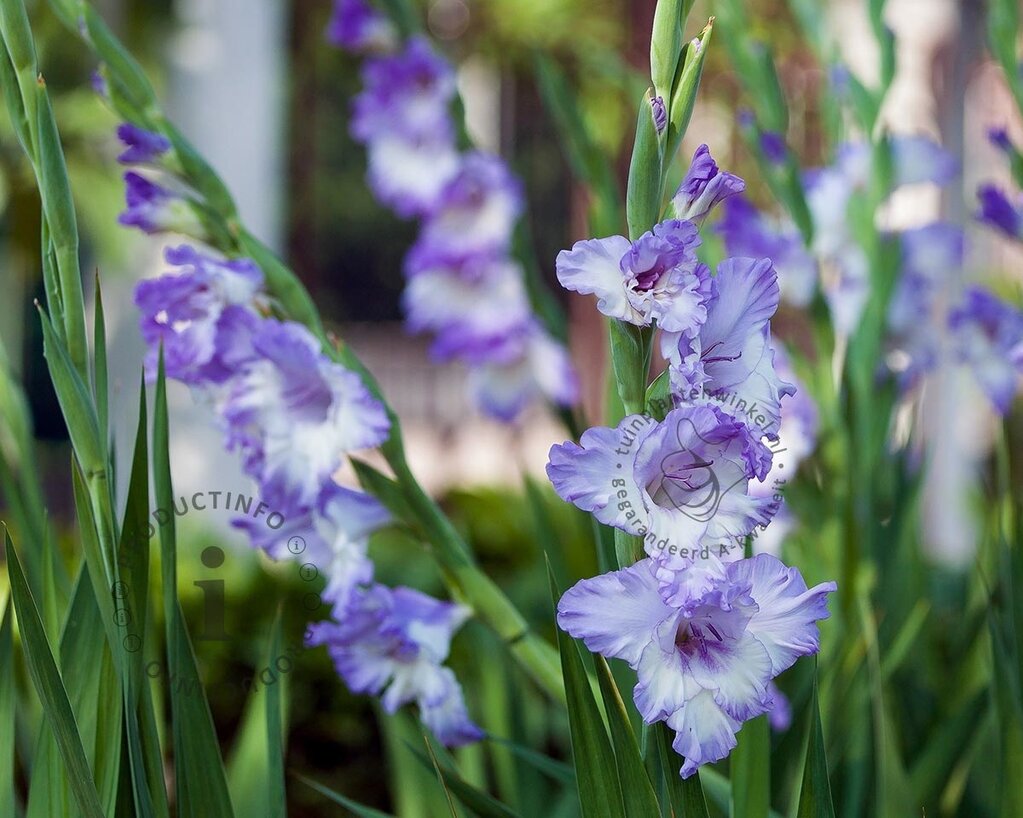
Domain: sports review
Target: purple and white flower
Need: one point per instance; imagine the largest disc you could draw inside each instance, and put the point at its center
(294, 414)
(989, 340)
(408, 93)
(704, 187)
(655, 278)
(729, 357)
(704, 660)
(681, 484)
(797, 438)
(392, 643)
(476, 211)
(153, 208)
(409, 173)
(538, 368)
(930, 256)
(358, 27)
(203, 315)
(476, 310)
(333, 535)
(749, 233)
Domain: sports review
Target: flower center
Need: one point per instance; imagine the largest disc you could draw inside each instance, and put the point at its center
(646, 281)
(707, 358)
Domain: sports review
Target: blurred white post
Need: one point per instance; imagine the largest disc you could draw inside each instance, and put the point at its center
(227, 79)
(227, 70)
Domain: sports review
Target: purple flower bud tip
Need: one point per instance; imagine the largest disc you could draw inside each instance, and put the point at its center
(141, 146)
(660, 113)
(155, 209)
(997, 211)
(840, 78)
(99, 84)
(773, 146)
(704, 187)
(999, 137)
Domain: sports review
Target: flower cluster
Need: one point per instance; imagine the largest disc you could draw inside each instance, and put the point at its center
(463, 286)
(293, 414)
(929, 256)
(706, 629)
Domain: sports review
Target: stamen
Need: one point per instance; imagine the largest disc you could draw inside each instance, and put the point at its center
(712, 360)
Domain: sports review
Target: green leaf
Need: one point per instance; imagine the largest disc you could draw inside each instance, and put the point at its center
(815, 790)
(631, 348)
(386, 490)
(200, 780)
(358, 809)
(686, 88)
(596, 772)
(943, 746)
(163, 494)
(94, 690)
(750, 766)
(637, 792)
(100, 379)
(75, 402)
(643, 198)
(557, 770)
(50, 688)
(276, 797)
(7, 705)
(685, 795)
(58, 206)
(666, 43)
(1005, 622)
(1003, 23)
(658, 397)
(131, 593)
(481, 803)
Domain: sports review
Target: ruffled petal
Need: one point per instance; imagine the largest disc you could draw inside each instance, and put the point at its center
(785, 623)
(662, 687)
(616, 613)
(593, 267)
(598, 476)
(704, 732)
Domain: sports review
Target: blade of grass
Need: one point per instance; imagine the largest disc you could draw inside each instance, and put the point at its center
(275, 748)
(815, 790)
(358, 809)
(685, 795)
(7, 704)
(479, 802)
(132, 593)
(637, 792)
(200, 780)
(750, 766)
(50, 688)
(596, 773)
